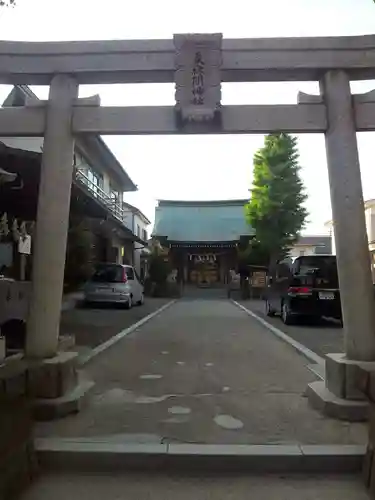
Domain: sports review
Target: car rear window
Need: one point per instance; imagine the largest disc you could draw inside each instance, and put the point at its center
(108, 274)
(323, 269)
(129, 273)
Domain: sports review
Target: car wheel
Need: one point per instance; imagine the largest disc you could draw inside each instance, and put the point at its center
(129, 303)
(316, 320)
(142, 300)
(269, 311)
(286, 316)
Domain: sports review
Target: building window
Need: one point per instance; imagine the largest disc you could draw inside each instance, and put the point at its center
(95, 181)
(138, 231)
(115, 195)
(144, 235)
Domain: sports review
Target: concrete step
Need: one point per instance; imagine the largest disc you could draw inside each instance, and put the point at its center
(197, 487)
(99, 456)
(330, 405)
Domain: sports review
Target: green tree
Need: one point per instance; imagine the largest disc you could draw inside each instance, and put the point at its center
(159, 267)
(276, 208)
(253, 254)
(79, 253)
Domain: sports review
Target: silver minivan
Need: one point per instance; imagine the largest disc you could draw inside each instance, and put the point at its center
(114, 283)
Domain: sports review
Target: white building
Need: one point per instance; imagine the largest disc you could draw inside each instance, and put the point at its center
(98, 183)
(312, 245)
(138, 223)
(370, 227)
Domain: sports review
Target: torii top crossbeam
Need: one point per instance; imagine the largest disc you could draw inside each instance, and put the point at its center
(153, 61)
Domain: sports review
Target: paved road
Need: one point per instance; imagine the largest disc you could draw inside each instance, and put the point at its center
(93, 326)
(323, 339)
(203, 371)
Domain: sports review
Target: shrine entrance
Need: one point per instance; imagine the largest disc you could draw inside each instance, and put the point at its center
(204, 269)
(197, 64)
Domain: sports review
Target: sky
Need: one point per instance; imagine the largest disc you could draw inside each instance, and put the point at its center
(202, 167)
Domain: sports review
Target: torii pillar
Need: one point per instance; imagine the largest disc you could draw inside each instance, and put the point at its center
(52, 378)
(340, 394)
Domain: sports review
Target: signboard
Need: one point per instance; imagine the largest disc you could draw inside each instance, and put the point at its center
(197, 77)
(205, 257)
(258, 279)
(24, 244)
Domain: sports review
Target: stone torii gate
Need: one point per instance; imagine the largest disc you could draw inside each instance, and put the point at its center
(198, 64)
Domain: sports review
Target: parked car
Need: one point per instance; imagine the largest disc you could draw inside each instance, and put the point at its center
(305, 287)
(114, 283)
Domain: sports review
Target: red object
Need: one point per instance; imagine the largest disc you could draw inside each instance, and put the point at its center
(124, 276)
(299, 290)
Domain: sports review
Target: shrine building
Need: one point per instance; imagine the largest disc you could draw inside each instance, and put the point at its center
(202, 237)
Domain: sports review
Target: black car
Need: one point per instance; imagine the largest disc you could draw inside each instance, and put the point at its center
(305, 287)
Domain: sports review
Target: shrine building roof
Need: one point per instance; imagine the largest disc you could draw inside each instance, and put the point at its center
(201, 221)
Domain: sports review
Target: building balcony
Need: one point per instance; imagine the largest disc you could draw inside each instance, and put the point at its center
(105, 199)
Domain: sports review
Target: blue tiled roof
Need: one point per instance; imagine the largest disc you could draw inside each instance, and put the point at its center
(201, 221)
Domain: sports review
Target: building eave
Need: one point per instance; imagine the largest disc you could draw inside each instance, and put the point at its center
(203, 244)
(93, 144)
(137, 211)
(204, 203)
(100, 149)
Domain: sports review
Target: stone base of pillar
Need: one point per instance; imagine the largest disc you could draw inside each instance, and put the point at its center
(342, 394)
(55, 386)
(66, 342)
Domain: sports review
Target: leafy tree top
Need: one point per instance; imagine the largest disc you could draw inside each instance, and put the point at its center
(276, 210)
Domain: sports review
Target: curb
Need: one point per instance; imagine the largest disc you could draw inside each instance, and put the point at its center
(85, 358)
(65, 455)
(305, 351)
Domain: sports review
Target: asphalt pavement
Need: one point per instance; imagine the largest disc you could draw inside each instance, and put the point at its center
(325, 338)
(202, 371)
(94, 325)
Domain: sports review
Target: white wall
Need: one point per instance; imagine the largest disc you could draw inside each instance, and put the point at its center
(138, 221)
(370, 226)
(298, 250)
(128, 214)
(333, 244)
(132, 221)
(370, 223)
(116, 243)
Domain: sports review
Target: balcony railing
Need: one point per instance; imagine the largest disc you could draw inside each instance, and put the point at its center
(104, 198)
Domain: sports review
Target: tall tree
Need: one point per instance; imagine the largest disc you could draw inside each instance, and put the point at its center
(252, 254)
(276, 208)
